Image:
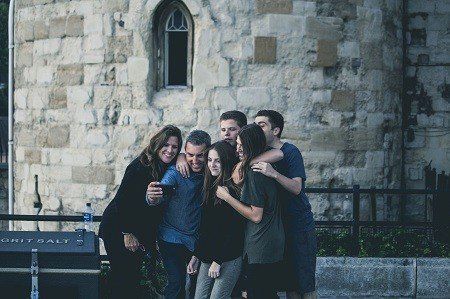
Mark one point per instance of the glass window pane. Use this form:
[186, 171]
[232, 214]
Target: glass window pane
[177, 43]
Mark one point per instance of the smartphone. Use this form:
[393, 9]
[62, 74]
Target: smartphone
[167, 190]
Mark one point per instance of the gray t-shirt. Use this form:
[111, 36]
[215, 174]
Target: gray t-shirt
[264, 241]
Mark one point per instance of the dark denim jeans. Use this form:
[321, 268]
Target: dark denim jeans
[175, 259]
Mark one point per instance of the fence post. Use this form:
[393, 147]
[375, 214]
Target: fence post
[355, 230]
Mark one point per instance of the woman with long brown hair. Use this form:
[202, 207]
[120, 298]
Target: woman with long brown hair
[264, 233]
[221, 230]
[128, 226]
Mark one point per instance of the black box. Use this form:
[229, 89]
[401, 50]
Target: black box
[68, 264]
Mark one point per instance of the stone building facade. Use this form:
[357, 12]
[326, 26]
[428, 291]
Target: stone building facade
[88, 95]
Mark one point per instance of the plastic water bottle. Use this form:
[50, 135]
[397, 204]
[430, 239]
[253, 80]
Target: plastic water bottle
[88, 216]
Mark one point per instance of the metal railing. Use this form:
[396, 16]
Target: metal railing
[355, 224]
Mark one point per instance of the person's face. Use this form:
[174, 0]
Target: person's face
[195, 156]
[169, 150]
[214, 163]
[263, 122]
[239, 149]
[229, 130]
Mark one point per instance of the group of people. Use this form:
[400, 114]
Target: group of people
[227, 217]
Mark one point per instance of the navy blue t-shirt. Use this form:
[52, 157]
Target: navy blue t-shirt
[296, 208]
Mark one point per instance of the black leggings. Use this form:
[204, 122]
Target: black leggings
[262, 281]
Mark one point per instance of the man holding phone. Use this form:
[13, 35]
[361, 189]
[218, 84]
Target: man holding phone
[178, 231]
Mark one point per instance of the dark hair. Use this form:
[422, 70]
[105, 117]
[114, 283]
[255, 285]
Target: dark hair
[275, 118]
[199, 137]
[228, 160]
[149, 156]
[238, 116]
[253, 143]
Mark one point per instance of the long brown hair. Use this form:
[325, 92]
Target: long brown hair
[228, 160]
[253, 143]
[149, 156]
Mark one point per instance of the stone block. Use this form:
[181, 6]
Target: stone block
[253, 97]
[68, 75]
[93, 24]
[57, 137]
[137, 69]
[372, 55]
[329, 139]
[32, 156]
[75, 26]
[41, 30]
[58, 98]
[365, 277]
[326, 53]
[119, 48]
[24, 55]
[324, 28]
[343, 100]
[265, 50]
[433, 278]
[274, 6]
[365, 139]
[93, 175]
[57, 27]
[111, 6]
[24, 31]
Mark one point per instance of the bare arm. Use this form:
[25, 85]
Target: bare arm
[272, 156]
[293, 185]
[252, 213]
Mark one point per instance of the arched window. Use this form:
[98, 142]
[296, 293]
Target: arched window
[173, 32]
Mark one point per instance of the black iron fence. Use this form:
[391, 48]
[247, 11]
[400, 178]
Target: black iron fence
[436, 225]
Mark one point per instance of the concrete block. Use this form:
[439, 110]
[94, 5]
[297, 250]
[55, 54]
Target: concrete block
[377, 277]
[433, 278]
[265, 50]
[274, 6]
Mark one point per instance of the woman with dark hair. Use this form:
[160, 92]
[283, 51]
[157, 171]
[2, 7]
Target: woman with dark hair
[128, 226]
[264, 234]
[221, 230]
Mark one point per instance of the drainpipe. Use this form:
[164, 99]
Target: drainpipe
[403, 100]
[10, 112]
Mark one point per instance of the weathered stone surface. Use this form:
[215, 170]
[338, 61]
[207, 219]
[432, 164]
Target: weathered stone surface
[70, 74]
[41, 30]
[119, 49]
[433, 278]
[58, 98]
[32, 156]
[75, 26]
[274, 6]
[265, 49]
[57, 27]
[24, 32]
[326, 53]
[58, 136]
[137, 69]
[342, 100]
[112, 6]
[93, 175]
[365, 277]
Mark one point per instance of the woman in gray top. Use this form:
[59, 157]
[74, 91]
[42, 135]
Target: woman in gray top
[264, 234]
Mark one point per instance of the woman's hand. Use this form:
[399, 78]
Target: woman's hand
[182, 165]
[223, 193]
[192, 266]
[214, 270]
[266, 169]
[131, 242]
[153, 192]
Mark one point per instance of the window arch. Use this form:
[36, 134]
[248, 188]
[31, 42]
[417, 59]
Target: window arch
[173, 36]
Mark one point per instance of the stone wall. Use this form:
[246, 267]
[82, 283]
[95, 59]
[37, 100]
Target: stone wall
[427, 101]
[86, 105]
[3, 197]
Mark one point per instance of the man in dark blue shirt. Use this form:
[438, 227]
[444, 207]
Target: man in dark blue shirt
[301, 244]
[179, 228]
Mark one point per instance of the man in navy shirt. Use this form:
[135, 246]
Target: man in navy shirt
[179, 228]
[301, 244]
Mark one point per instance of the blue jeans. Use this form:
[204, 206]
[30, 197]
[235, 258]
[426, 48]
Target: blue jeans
[175, 259]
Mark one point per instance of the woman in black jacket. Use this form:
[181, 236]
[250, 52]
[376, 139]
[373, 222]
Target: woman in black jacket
[222, 228]
[128, 226]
